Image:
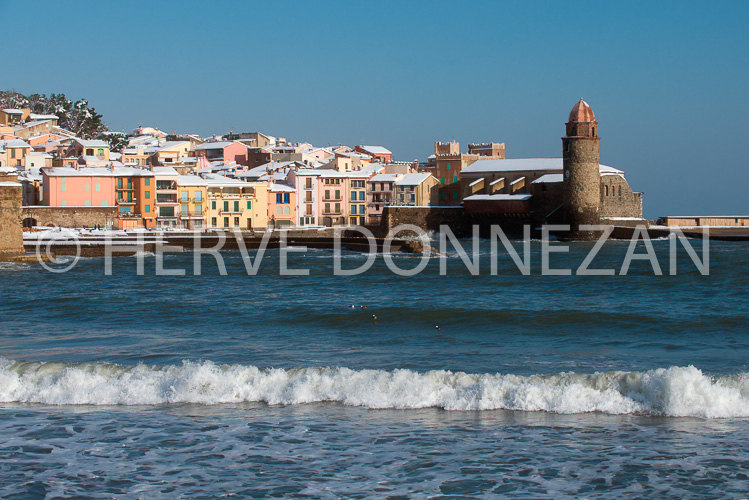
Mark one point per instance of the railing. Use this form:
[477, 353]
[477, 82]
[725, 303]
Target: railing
[192, 214]
[222, 212]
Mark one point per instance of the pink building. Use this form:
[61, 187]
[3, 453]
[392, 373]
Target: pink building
[223, 151]
[333, 195]
[70, 187]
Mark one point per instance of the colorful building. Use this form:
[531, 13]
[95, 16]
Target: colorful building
[381, 192]
[193, 199]
[71, 187]
[417, 190]
[378, 153]
[167, 204]
[226, 151]
[306, 182]
[233, 203]
[281, 205]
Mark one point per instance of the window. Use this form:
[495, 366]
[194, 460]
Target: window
[353, 195]
[198, 209]
[198, 224]
[63, 187]
[166, 211]
[448, 165]
[85, 188]
[287, 210]
[308, 184]
[249, 204]
[353, 209]
[607, 190]
[226, 207]
[184, 196]
[442, 180]
[97, 187]
[337, 194]
[185, 210]
[455, 195]
[442, 196]
[327, 194]
[236, 206]
[308, 196]
[198, 196]
[327, 208]
[99, 152]
[337, 207]
[147, 195]
[103, 203]
[12, 153]
[148, 209]
[213, 221]
[213, 205]
[455, 179]
[236, 221]
[362, 210]
[119, 183]
[130, 184]
[286, 198]
[361, 195]
[279, 211]
[148, 181]
[63, 203]
[226, 222]
[279, 198]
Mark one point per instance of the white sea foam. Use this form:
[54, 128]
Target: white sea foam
[675, 391]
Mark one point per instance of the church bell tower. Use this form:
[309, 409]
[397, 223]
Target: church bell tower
[582, 180]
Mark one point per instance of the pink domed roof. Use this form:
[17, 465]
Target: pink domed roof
[582, 112]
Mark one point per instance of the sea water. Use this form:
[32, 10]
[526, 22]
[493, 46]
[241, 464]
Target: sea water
[217, 385]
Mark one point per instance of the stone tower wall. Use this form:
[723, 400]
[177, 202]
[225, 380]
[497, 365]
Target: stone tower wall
[11, 232]
[582, 181]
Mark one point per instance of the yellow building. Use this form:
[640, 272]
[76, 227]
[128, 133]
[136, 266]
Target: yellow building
[193, 200]
[236, 204]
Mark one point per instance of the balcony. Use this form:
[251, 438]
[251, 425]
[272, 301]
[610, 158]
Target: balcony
[191, 215]
[166, 186]
[230, 212]
[167, 199]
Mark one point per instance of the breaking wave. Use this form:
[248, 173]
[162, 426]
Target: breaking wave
[675, 391]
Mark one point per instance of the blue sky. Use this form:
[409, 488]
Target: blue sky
[668, 81]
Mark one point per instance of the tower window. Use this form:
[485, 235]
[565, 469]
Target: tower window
[607, 190]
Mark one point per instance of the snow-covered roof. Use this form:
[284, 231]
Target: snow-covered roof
[13, 111]
[8, 170]
[165, 171]
[14, 143]
[384, 178]
[172, 144]
[549, 179]
[35, 116]
[280, 188]
[498, 197]
[32, 124]
[219, 180]
[213, 145]
[92, 144]
[190, 180]
[376, 150]
[412, 179]
[524, 164]
[10, 184]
